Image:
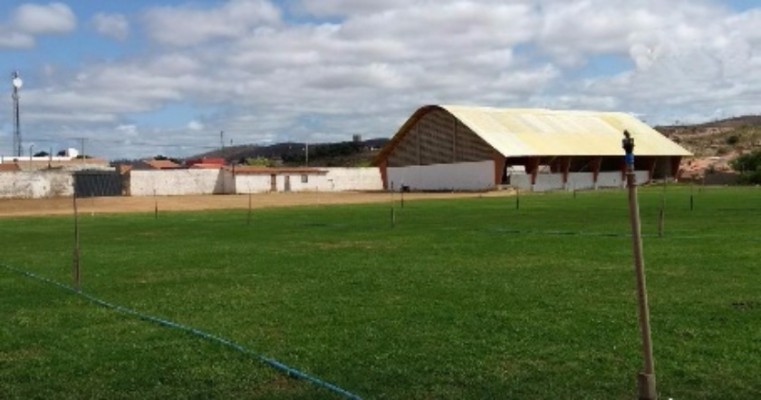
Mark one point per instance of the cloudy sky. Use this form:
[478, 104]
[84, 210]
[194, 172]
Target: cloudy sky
[140, 78]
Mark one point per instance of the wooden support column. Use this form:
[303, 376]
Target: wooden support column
[594, 165]
[675, 161]
[532, 168]
[499, 167]
[651, 167]
[384, 173]
[565, 167]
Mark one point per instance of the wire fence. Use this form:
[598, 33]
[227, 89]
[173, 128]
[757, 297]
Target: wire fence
[271, 362]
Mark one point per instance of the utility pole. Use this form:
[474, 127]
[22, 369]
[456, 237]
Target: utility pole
[82, 148]
[222, 139]
[646, 378]
[17, 83]
[306, 150]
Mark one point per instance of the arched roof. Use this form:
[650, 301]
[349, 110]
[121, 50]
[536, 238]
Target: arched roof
[518, 132]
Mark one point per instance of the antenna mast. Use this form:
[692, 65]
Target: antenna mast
[17, 83]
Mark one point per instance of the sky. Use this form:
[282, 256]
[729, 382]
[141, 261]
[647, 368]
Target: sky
[141, 78]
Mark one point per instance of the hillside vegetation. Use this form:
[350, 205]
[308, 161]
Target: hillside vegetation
[715, 144]
[294, 154]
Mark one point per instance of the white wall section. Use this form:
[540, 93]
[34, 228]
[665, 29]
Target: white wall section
[576, 181]
[36, 184]
[477, 175]
[175, 182]
[328, 180]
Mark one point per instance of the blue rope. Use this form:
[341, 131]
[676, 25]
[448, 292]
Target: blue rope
[271, 362]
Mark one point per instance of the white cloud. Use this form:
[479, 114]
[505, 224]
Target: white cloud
[572, 31]
[112, 25]
[195, 125]
[324, 8]
[258, 75]
[44, 19]
[28, 20]
[129, 130]
[183, 25]
[15, 40]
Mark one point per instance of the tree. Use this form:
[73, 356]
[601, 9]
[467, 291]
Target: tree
[749, 167]
[257, 161]
[41, 154]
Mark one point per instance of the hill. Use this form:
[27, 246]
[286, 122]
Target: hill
[340, 154]
[715, 143]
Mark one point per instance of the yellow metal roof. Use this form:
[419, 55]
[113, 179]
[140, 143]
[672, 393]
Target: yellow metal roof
[541, 132]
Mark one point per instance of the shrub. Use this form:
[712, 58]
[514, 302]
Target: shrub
[258, 161]
[749, 167]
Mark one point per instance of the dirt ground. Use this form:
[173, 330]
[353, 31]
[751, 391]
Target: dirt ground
[64, 205]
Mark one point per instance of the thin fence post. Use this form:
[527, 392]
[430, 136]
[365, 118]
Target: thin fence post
[661, 214]
[249, 207]
[517, 198]
[393, 211]
[75, 265]
[692, 196]
[393, 217]
[155, 205]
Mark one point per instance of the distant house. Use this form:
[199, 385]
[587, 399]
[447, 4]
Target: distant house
[262, 179]
[206, 166]
[206, 162]
[162, 164]
[143, 165]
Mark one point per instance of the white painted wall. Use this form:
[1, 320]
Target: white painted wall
[477, 175]
[331, 180]
[581, 181]
[576, 180]
[614, 179]
[641, 177]
[547, 182]
[36, 184]
[521, 181]
[610, 180]
[175, 182]
[348, 179]
[252, 183]
[313, 183]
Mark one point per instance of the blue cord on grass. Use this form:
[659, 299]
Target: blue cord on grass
[271, 362]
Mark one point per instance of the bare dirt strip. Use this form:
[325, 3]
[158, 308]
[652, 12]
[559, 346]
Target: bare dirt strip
[64, 205]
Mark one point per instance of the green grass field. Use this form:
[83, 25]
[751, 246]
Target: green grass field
[461, 299]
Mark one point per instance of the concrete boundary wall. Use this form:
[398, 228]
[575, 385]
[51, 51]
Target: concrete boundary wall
[327, 180]
[252, 183]
[477, 175]
[175, 182]
[348, 179]
[36, 184]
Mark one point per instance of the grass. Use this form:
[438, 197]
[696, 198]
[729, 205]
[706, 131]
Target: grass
[465, 298]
